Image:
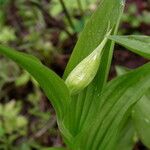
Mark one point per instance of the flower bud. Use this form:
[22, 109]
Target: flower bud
[85, 71]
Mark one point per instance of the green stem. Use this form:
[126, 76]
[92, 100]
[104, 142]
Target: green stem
[67, 14]
[80, 7]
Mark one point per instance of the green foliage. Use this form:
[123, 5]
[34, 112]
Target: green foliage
[83, 105]
[8, 73]
[111, 111]
[134, 18]
[96, 116]
[24, 78]
[11, 123]
[136, 43]
[77, 83]
[17, 122]
[14, 126]
[6, 35]
[140, 114]
[126, 140]
[141, 118]
[42, 74]
[129, 16]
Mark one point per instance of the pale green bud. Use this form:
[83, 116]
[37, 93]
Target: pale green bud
[85, 71]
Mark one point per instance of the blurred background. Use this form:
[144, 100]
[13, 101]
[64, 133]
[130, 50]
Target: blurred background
[49, 30]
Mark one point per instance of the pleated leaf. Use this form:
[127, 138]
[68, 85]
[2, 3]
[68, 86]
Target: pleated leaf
[114, 106]
[141, 118]
[126, 139]
[140, 113]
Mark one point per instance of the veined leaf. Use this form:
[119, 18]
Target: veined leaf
[53, 85]
[114, 104]
[126, 139]
[136, 43]
[127, 133]
[108, 13]
[140, 114]
[141, 118]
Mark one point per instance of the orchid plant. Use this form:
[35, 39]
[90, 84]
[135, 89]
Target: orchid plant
[92, 112]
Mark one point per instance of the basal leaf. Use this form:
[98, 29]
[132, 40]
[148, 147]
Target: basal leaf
[126, 138]
[141, 118]
[127, 133]
[114, 104]
[140, 113]
[136, 43]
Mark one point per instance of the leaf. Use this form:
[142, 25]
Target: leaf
[94, 31]
[114, 105]
[141, 118]
[126, 138]
[141, 114]
[120, 70]
[53, 86]
[107, 14]
[136, 43]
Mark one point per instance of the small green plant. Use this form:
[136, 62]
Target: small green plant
[95, 114]
[11, 123]
[130, 18]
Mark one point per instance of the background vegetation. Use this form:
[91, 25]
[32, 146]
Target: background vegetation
[49, 29]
